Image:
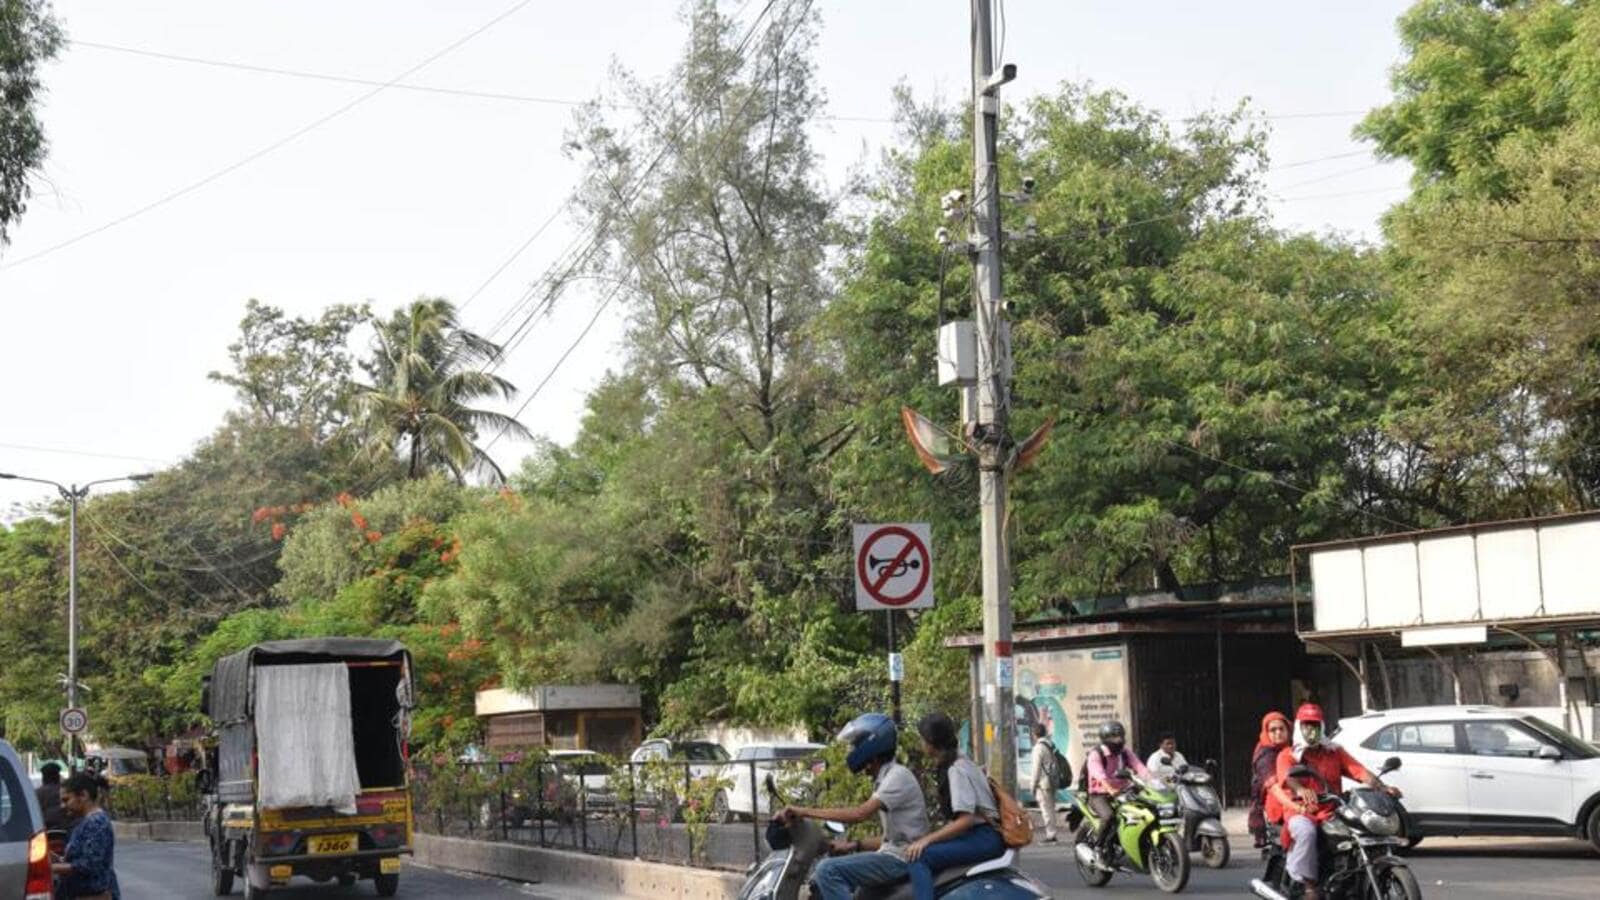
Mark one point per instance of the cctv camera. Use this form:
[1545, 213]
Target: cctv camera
[1028, 184]
[942, 236]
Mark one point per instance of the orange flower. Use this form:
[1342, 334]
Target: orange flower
[374, 536]
[279, 530]
[359, 520]
[260, 515]
[344, 499]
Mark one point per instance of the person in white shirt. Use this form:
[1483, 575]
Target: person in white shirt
[1166, 761]
[1045, 779]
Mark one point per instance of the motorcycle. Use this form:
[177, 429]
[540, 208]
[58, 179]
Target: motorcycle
[1201, 811]
[798, 845]
[1149, 837]
[1357, 849]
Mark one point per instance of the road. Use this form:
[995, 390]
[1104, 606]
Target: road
[1454, 869]
[152, 871]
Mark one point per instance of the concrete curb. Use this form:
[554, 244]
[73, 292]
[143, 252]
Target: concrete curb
[181, 832]
[596, 874]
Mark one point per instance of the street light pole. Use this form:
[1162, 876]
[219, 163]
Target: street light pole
[73, 495]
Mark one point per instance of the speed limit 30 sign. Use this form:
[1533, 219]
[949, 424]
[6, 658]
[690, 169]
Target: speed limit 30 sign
[894, 566]
[74, 720]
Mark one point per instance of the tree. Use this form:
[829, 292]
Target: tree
[425, 370]
[294, 372]
[1497, 105]
[33, 632]
[29, 37]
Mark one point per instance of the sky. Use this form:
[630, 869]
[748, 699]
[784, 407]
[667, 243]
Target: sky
[176, 191]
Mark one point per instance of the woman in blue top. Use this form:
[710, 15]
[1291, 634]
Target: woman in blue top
[968, 835]
[86, 868]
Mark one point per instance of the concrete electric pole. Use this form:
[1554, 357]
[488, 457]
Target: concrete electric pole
[991, 436]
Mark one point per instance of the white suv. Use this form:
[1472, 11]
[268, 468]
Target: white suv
[1482, 770]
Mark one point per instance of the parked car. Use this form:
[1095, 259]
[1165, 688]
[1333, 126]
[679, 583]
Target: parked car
[587, 767]
[700, 759]
[745, 797]
[24, 848]
[1482, 770]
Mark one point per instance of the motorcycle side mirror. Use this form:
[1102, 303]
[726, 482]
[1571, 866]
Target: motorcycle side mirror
[1183, 769]
[834, 827]
[1392, 764]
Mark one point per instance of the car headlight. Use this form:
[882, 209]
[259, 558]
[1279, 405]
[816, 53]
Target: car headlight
[1378, 823]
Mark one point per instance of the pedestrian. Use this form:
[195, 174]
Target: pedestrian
[1275, 733]
[1166, 761]
[1046, 780]
[968, 806]
[87, 870]
[49, 794]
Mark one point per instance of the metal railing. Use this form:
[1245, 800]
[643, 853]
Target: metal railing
[706, 814]
[155, 798]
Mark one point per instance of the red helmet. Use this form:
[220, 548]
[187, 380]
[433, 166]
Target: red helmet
[1309, 712]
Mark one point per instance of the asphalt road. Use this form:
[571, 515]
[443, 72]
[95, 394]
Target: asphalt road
[1468, 869]
[152, 871]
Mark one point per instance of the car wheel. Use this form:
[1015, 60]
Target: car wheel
[1594, 828]
[719, 809]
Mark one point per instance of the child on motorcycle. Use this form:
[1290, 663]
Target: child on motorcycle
[1303, 809]
[968, 805]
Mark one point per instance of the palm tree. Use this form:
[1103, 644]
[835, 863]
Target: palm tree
[426, 370]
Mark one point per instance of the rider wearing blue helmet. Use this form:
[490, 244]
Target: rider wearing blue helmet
[896, 798]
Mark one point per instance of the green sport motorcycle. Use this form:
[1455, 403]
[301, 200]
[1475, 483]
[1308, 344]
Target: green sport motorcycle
[1150, 838]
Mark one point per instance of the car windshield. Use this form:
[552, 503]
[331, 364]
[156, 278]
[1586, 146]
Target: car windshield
[1567, 742]
[703, 752]
[793, 752]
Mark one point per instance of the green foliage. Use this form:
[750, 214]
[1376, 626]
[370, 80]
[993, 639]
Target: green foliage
[1498, 108]
[33, 633]
[29, 38]
[426, 370]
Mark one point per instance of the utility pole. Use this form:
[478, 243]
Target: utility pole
[73, 494]
[990, 434]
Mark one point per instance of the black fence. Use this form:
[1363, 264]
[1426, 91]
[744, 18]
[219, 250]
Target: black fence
[707, 814]
[154, 798]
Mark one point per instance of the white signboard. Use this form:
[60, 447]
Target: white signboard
[894, 566]
[1496, 573]
[74, 720]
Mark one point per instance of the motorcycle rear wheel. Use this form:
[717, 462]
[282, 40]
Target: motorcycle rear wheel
[1398, 883]
[1169, 863]
[1092, 876]
[1215, 852]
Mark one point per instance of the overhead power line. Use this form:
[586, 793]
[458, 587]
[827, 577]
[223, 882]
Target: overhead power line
[268, 149]
[473, 93]
[33, 448]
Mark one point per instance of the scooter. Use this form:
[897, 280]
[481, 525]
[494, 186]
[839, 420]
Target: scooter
[1149, 837]
[1201, 811]
[1358, 849]
[798, 845]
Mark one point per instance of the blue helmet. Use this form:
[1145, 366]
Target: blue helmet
[870, 736]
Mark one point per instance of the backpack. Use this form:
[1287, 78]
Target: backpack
[1083, 770]
[1016, 830]
[1059, 767]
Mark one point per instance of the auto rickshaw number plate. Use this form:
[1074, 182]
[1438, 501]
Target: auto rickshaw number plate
[327, 844]
[389, 865]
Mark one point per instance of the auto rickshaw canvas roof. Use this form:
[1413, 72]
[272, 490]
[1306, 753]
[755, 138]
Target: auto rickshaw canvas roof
[230, 678]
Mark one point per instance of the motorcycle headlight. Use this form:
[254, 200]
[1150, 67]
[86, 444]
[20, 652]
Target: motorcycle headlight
[1167, 810]
[765, 882]
[1378, 823]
